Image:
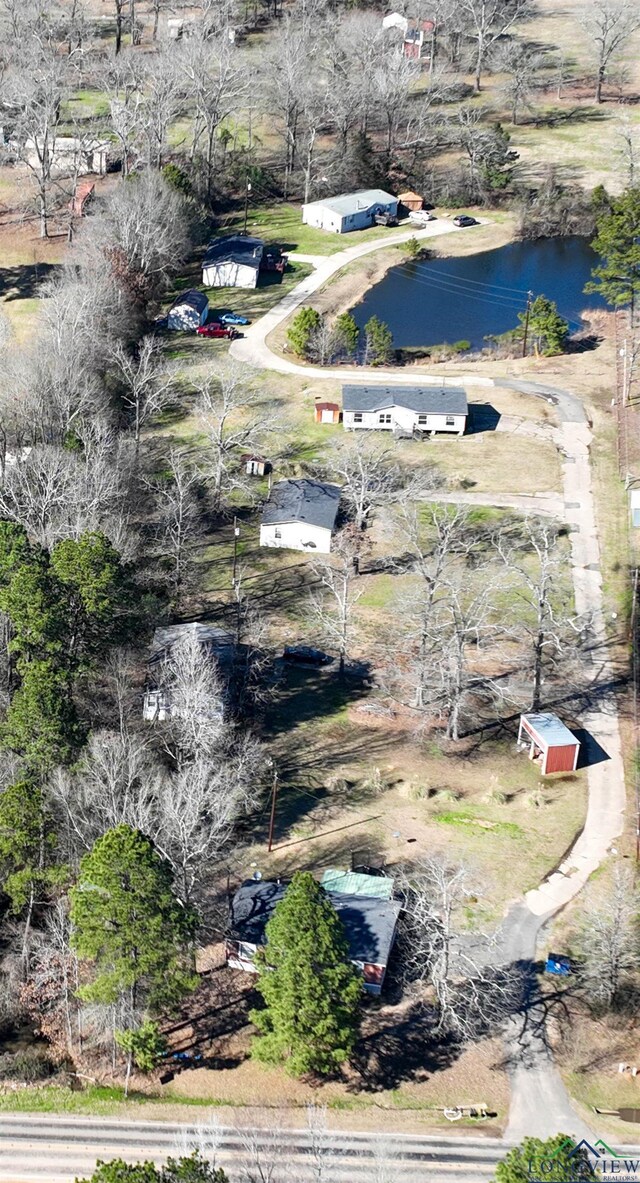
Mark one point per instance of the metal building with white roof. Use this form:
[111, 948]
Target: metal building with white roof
[550, 742]
[349, 211]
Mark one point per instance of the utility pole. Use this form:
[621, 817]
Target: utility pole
[526, 323]
[236, 535]
[274, 799]
[247, 191]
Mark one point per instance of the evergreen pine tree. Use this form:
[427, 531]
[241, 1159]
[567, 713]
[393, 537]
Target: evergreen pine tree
[310, 988]
[379, 342]
[617, 276]
[548, 329]
[305, 323]
[128, 921]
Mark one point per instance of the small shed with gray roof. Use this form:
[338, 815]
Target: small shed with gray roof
[405, 410]
[349, 211]
[300, 515]
[550, 742]
[369, 923]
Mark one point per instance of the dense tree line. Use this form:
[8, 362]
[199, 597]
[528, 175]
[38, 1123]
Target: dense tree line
[348, 107]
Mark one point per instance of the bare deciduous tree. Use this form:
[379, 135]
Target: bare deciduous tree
[546, 620]
[521, 64]
[147, 384]
[609, 941]
[489, 20]
[180, 517]
[333, 599]
[609, 25]
[228, 410]
[471, 995]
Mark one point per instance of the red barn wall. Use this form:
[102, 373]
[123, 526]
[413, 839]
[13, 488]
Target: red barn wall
[561, 759]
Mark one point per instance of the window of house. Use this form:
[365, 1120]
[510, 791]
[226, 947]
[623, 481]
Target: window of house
[450, 421]
[384, 418]
[357, 418]
[276, 533]
[422, 420]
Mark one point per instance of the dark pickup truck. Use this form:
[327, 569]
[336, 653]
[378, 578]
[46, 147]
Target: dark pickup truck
[385, 220]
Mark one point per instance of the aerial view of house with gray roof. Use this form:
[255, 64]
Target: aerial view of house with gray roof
[405, 410]
[232, 262]
[368, 913]
[300, 515]
[349, 211]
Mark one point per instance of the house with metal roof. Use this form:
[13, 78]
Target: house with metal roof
[188, 311]
[300, 515]
[550, 742]
[349, 211]
[233, 262]
[370, 923]
[405, 410]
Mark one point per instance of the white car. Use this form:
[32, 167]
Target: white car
[421, 217]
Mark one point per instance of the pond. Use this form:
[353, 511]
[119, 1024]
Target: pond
[431, 301]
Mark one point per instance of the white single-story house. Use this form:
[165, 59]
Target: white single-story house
[364, 904]
[232, 262]
[160, 703]
[68, 154]
[405, 410]
[349, 211]
[300, 515]
[188, 311]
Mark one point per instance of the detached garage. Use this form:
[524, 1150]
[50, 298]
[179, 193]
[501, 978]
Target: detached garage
[550, 743]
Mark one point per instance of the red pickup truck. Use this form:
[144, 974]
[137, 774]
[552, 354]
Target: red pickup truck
[217, 330]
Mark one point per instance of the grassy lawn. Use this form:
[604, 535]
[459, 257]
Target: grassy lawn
[251, 302]
[490, 462]
[283, 225]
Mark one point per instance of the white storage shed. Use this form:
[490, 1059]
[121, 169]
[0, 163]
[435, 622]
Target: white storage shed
[188, 311]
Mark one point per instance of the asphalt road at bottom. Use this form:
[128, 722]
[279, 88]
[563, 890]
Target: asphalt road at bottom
[59, 1148]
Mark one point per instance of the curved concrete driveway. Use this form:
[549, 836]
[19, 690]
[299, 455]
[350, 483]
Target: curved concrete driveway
[252, 348]
[539, 1102]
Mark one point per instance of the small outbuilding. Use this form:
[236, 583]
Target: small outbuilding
[349, 211]
[551, 744]
[188, 311]
[370, 919]
[233, 262]
[300, 515]
[410, 201]
[634, 507]
[327, 413]
[255, 465]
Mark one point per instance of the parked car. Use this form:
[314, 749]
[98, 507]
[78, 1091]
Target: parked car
[421, 217]
[234, 318]
[385, 220]
[217, 330]
[465, 220]
[305, 655]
